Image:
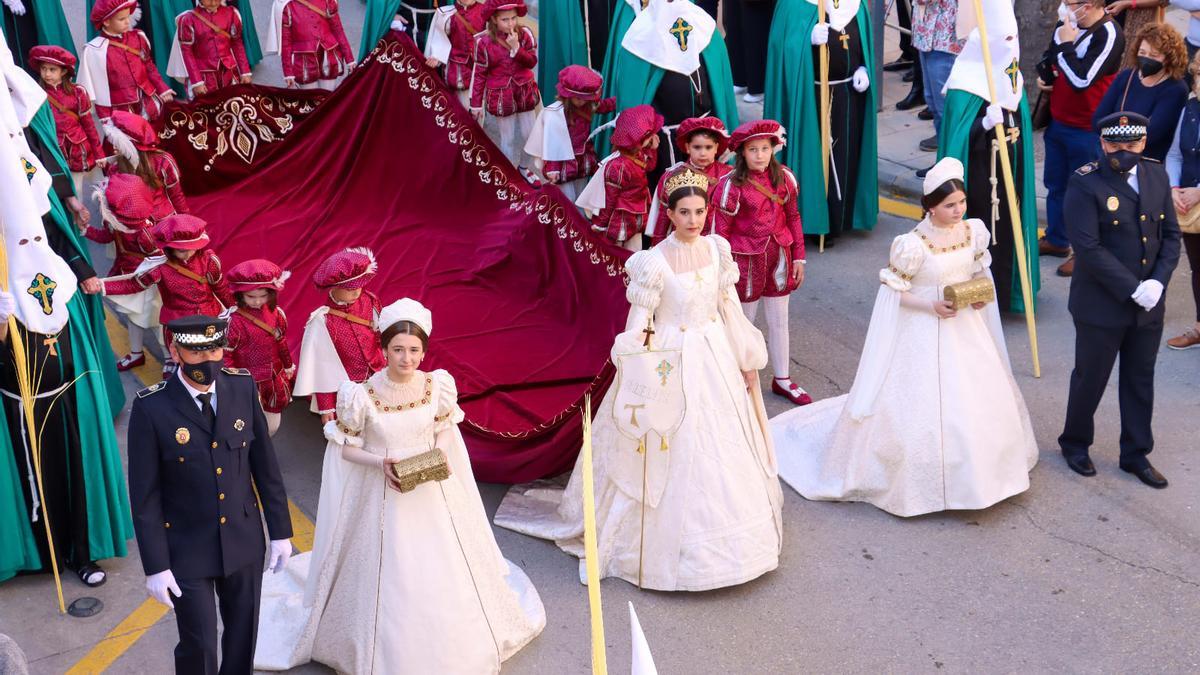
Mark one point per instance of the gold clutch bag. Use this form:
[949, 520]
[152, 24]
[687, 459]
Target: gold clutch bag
[966, 293]
[422, 468]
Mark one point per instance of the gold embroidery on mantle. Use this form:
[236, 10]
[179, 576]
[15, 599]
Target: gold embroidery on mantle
[238, 125]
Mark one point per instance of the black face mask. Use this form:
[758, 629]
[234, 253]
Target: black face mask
[1123, 160]
[1149, 67]
[203, 373]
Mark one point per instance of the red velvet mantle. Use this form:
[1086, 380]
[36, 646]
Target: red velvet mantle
[525, 300]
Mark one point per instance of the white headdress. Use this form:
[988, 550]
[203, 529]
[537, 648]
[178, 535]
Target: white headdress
[406, 309]
[946, 169]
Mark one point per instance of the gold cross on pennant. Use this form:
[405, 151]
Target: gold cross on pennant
[680, 30]
[42, 288]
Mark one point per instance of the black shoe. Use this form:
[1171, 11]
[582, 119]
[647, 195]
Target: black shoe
[926, 114]
[1080, 464]
[929, 144]
[1148, 475]
[916, 97]
[910, 75]
[898, 65]
[922, 172]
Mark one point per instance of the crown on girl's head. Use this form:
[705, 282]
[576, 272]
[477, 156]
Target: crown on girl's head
[687, 178]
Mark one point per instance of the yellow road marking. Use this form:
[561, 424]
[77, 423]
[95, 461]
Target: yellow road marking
[133, 627]
[899, 208]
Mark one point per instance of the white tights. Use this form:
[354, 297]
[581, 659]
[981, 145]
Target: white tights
[137, 338]
[778, 343]
[272, 422]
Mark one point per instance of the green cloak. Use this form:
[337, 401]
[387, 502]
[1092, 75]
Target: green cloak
[634, 81]
[562, 42]
[99, 398]
[376, 23]
[52, 28]
[957, 119]
[249, 33]
[162, 35]
[791, 100]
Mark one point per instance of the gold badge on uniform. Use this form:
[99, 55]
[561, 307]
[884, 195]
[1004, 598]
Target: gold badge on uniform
[239, 425]
[1113, 203]
[182, 435]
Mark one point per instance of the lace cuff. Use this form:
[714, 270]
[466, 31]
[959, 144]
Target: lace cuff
[352, 405]
[981, 240]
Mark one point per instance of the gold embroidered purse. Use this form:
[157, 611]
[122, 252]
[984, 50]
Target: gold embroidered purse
[422, 468]
[966, 293]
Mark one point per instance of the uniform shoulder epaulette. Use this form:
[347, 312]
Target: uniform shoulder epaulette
[157, 386]
[235, 371]
[1151, 159]
[1087, 168]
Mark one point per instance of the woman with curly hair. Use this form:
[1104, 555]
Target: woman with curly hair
[1155, 88]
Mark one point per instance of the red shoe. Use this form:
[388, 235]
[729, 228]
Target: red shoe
[793, 393]
[129, 361]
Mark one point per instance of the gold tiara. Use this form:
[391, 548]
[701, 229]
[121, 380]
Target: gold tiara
[687, 178]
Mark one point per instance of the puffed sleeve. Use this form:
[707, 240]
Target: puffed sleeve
[645, 280]
[352, 405]
[448, 413]
[981, 239]
[745, 340]
[903, 262]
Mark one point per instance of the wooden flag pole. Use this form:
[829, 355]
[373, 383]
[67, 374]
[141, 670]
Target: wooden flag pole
[591, 556]
[826, 123]
[1010, 189]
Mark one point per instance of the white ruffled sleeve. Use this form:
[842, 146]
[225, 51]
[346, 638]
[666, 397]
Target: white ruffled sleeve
[905, 259]
[981, 239]
[448, 413]
[747, 342]
[645, 282]
[352, 405]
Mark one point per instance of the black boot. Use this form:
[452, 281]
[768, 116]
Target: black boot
[916, 95]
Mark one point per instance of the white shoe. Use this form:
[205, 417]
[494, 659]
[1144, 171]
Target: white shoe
[753, 98]
[738, 91]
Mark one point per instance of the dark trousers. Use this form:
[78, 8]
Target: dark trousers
[1191, 243]
[1096, 348]
[904, 18]
[747, 27]
[236, 598]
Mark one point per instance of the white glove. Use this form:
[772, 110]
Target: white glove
[820, 34]
[8, 305]
[17, 7]
[860, 81]
[1148, 293]
[398, 24]
[992, 116]
[281, 550]
[157, 586]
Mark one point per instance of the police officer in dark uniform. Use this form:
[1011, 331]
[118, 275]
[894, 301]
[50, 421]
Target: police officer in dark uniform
[198, 448]
[1125, 235]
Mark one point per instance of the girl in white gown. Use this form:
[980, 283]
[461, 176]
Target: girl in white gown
[408, 582]
[706, 512]
[934, 420]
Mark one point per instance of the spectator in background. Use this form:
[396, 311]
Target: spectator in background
[1154, 88]
[936, 40]
[1134, 15]
[1183, 168]
[1193, 34]
[1077, 68]
[747, 25]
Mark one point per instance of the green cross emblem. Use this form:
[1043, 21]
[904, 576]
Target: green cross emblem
[664, 369]
[680, 30]
[42, 288]
[1012, 71]
[30, 169]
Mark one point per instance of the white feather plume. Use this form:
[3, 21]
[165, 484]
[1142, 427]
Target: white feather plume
[122, 143]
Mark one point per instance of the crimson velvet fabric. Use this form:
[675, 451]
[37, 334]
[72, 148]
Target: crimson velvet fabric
[525, 300]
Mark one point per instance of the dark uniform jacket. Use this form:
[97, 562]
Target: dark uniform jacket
[192, 487]
[1120, 238]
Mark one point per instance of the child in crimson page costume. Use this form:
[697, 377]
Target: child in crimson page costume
[452, 44]
[341, 339]
[126, 210]
[256, 337]
[137, 152]
[756, 211]
[117, 67]
[503, 83]
[189, 278]
[208, 50]
[72, 108]
[311, 43]
[562, 152]
[704, 140]
[619, 194]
